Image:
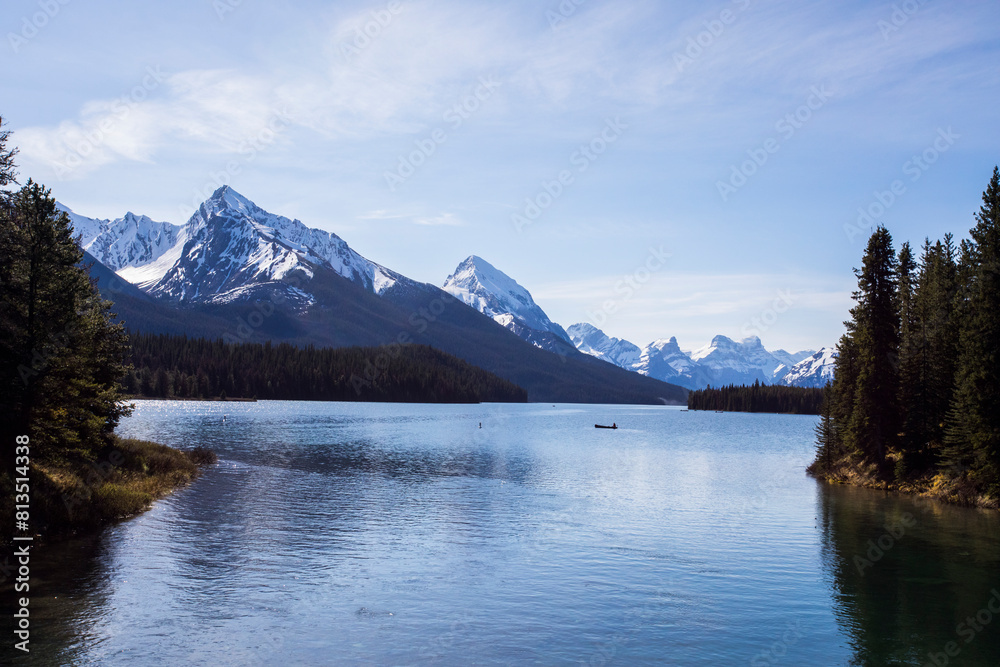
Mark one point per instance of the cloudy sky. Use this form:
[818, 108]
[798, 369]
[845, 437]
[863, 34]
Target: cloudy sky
[659, 168]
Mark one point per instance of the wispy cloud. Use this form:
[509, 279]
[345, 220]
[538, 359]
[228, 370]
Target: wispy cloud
[443, 220]
[213, 110]
[347, 117]
[431, 53]
[382, 214]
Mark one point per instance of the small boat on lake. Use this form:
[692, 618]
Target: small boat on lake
[614, 426]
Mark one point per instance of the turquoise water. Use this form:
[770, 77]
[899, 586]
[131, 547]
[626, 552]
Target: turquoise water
[365, 534]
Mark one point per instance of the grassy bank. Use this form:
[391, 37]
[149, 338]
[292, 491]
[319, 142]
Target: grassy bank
[957, 490]
[69, 497]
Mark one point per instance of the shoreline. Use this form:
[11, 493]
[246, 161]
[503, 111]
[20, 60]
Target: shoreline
[756, 412]
[936, 486]
[201, 400]
[321, 400]
[75, 497]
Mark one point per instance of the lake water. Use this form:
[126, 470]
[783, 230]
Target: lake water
[373, 534]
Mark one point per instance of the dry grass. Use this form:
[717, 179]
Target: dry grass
[124, 480]
[954, 490]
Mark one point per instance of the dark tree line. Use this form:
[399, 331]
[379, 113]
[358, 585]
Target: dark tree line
[181, 367]
[917, 380]
[61, 352]
[758, 398]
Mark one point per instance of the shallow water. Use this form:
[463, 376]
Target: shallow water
[399, 534]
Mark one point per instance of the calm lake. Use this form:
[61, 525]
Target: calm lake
[375, 534]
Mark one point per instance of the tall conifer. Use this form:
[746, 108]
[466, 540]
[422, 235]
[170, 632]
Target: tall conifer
[875, 420]
[974, 436]
[62, 355]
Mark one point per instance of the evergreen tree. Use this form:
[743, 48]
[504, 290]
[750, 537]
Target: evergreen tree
[758, 398]
[974, 434]
[905, 272]
[912, 358]
[934, 312]
[911, 355]
[826, 440]
[185, 367]
[8, 171]
[942, 318]
[61, 353]
[841, 398]
[875, 420]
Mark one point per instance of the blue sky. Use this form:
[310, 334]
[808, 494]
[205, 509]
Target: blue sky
[737, 137]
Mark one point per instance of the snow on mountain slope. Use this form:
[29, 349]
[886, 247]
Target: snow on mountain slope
[591, 340]
[789, 359]
[232, 243]
[127, 242]
[814, 371]
[86, 228]
[482, 286]
[232, 250]
[738, 363]
[145, 275]
[723, 361]
[133, 241]
[664, 358]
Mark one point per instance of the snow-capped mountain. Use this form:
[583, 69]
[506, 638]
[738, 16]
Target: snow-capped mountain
[722, 361]
[731, 362]
[229, 250]
[232, 254]
[591, 340]
[233, 246]
[86, 228]
[789, 359]
[814, 371]
[222, 273]
[492, 292]
[664, 358]
[125, 243]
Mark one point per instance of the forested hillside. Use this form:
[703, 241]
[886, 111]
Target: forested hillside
[181, 367]
[758, 398]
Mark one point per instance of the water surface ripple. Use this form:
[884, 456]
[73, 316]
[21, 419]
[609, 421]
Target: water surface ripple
[365, 534]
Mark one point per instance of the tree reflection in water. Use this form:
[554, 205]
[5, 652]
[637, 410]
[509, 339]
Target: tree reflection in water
[912, 579]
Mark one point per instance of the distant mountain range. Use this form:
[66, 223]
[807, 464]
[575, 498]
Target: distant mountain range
[237, 272]
[723, 361]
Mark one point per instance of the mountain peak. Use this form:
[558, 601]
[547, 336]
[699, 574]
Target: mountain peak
[721, 341]
[666, 345]
[474, 274]
[227, 198]
[591, 340]
[492, 292]
[476, 268]
[234, 247]
[813, 371]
